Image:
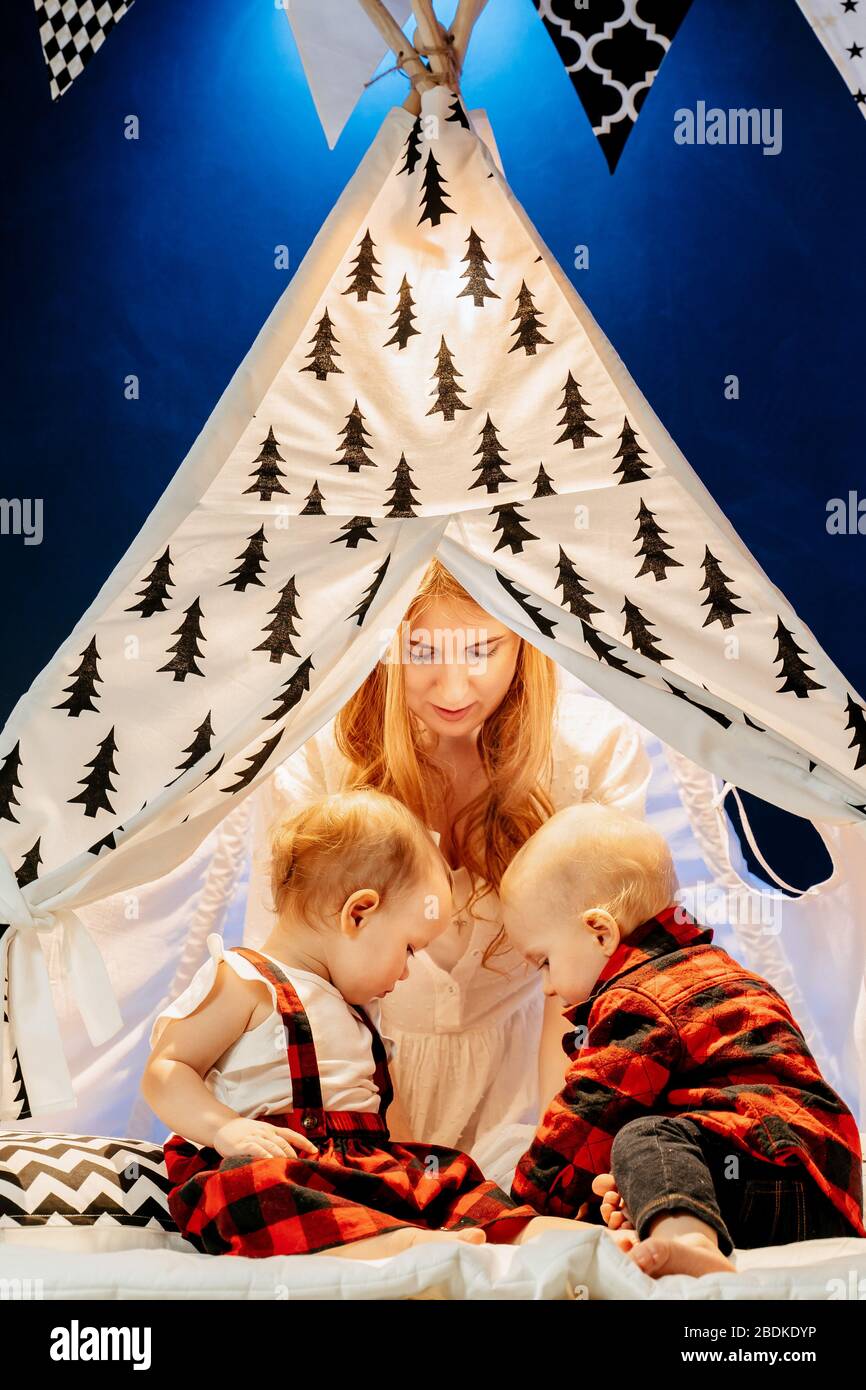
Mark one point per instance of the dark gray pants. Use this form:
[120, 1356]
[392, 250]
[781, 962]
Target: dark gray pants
[667, 1162]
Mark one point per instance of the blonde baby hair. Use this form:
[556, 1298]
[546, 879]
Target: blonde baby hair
[349, 840]
[598, 851]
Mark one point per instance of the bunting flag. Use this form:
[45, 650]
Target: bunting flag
[340, 50]
[612, 52]
[841, 27]
[71, 31]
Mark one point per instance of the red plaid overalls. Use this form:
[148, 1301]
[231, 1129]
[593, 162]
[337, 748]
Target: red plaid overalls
[361, 1184]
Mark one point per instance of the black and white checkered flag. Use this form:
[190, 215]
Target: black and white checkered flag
[71, 32]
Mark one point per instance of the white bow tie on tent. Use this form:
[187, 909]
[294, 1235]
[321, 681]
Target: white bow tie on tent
[22, 962]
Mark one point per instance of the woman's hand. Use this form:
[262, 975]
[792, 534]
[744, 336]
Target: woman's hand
[612, 1210]
[259, 1139]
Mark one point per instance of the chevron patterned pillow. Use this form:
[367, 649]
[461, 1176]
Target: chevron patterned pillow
[81, 1180]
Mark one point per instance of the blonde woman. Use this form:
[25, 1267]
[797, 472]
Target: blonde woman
[462, 723]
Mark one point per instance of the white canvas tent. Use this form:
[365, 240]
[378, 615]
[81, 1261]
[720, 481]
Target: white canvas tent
[429, 383]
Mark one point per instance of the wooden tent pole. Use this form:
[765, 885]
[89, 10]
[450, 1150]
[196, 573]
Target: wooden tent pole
[396, 39]
[431, 35]
[468, 11]
[430, 32]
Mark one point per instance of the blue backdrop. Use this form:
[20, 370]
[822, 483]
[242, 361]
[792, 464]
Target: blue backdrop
[155, 258]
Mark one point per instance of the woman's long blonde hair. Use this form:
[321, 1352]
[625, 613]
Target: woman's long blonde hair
[381, 738]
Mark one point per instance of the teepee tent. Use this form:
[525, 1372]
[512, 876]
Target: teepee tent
[429, 383]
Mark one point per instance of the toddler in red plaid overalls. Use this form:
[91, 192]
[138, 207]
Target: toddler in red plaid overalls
[358, 886]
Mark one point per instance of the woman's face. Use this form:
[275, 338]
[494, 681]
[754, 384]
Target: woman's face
[458, 665]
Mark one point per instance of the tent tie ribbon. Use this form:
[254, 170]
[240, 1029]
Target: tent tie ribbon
[31, 1007]
[718, 805]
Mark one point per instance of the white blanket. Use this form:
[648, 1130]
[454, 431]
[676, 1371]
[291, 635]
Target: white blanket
[583, 1265]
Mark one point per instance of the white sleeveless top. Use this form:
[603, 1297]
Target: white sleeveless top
[252, 1076]
[466, 1036]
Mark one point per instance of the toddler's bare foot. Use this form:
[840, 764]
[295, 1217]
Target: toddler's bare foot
[690, 1253]
[539, 1224]
[419, 1235]
[401, 1238]
[470, 1235]
[626, 1238]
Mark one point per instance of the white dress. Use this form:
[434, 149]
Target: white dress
[252, 1076]
[466, 1037]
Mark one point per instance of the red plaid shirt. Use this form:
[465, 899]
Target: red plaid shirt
[676, 1026]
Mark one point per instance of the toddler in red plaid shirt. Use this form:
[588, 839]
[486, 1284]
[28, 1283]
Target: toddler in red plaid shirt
[688, 1078]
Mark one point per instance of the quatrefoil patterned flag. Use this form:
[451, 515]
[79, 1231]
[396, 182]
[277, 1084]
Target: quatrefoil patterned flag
[612, 51]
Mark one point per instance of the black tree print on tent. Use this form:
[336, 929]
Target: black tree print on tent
[28, 869]
[254, 765]
[457, 113]
[476, 274]
[355, 443]
[267, 479]
[575, 597]
[358, 529]
[9, 782]
[186, 648]
[198, 749]
[404, 320]
[370, 593]
[324, 350]
[447, 399]
[719, 599]
[794, 668]
[252, 563]
[632, 467]
[154, 596]
[363, 280]
[315, 505]
[434, 206]
[413, 148]
[857, 724]
[715, 714]
[282, 626]
[543, 485]
[528, 331]
[545, 625]
[294, 690]
[653, 547]
[489, 469]
[575, 418]
[637, 627]
[97, 784]
[510, 523]
[108, 841]
[403, 488]
[82, 692]
[575, 592]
